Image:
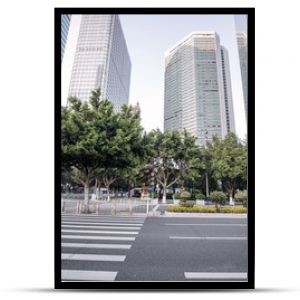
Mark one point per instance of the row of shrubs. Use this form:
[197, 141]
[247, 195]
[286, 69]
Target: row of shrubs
[201, 209]
[217, 197]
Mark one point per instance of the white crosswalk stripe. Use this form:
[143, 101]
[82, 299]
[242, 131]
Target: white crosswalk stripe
[102, 223]
[87, 230]
[99, 231]
[92, 257]
[81, 275]
[95, 221]
[92, 237]
[96, 246]
[100, 227]
[80, 217]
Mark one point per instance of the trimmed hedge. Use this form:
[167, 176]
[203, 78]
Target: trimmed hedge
[218, 197]
[233, 210]
[194, 209]
[197, 209]
[176, 196]
[200, 196]
[187, 203]
[185, 195]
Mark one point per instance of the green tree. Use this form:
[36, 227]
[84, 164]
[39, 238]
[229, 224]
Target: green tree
[79, 143]
[170, 154]
[98, 143]
[122, 148]
[229, 162]
[218, 198]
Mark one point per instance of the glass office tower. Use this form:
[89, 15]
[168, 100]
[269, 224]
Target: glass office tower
[195, 86]
[229, 114]
[101, 60]
[65, 24]
[243, 54]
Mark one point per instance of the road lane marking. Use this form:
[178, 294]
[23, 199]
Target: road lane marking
[100, 227]
[108, 238]
[229, 238]
[98, 231]
[92, 257]
[88, 275]
[217, 275]
[96, 246]
[171, 224]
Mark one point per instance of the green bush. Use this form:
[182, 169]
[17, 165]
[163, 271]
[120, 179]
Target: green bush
[186, 203]
[169, 196]
[185, 196]
[243, 197]
[194, 209]
[233, 210]
[176, 196]
[200, 196]
[218, 198]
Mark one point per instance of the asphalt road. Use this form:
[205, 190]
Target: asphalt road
[157, 248]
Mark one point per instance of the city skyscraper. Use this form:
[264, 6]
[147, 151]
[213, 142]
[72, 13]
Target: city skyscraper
[196, 80]
[101, 60]
[65, 24]
[229, 114]
[243, 54]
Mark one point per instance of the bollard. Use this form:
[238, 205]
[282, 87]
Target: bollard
[97, 208]
[77, 208]
[62, 206]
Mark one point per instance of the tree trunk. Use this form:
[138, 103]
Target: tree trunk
[129, 189]
[206, 184]
[108, 196]
[231, 201]
[96, 189]
[164, 199]
[86, 196]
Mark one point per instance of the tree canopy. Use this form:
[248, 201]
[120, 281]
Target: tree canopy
[103, 146]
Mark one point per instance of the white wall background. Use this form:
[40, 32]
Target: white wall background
[27, 149]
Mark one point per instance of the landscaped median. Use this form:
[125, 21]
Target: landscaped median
[200, 209]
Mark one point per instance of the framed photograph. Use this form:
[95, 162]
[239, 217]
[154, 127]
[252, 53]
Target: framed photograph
[154, 148]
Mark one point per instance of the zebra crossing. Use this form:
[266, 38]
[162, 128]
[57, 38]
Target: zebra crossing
[94, 247]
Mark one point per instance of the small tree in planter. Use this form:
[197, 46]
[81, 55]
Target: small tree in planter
[176, 198]
[218, 198]
[200, 196]
[243, 197]
[200, 199]
[184, 196]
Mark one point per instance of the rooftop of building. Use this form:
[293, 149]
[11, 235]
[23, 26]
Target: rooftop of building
[193, 33]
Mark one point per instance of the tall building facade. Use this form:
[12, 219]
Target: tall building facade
[195, 87]
[65, 24]
[243, 54]
[101, 60]
[229, 114]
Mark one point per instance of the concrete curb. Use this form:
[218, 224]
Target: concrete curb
[204, 215]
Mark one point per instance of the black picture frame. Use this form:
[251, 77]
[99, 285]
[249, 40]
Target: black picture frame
[157, 285]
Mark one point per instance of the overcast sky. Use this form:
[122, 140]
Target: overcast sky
[148, 37]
